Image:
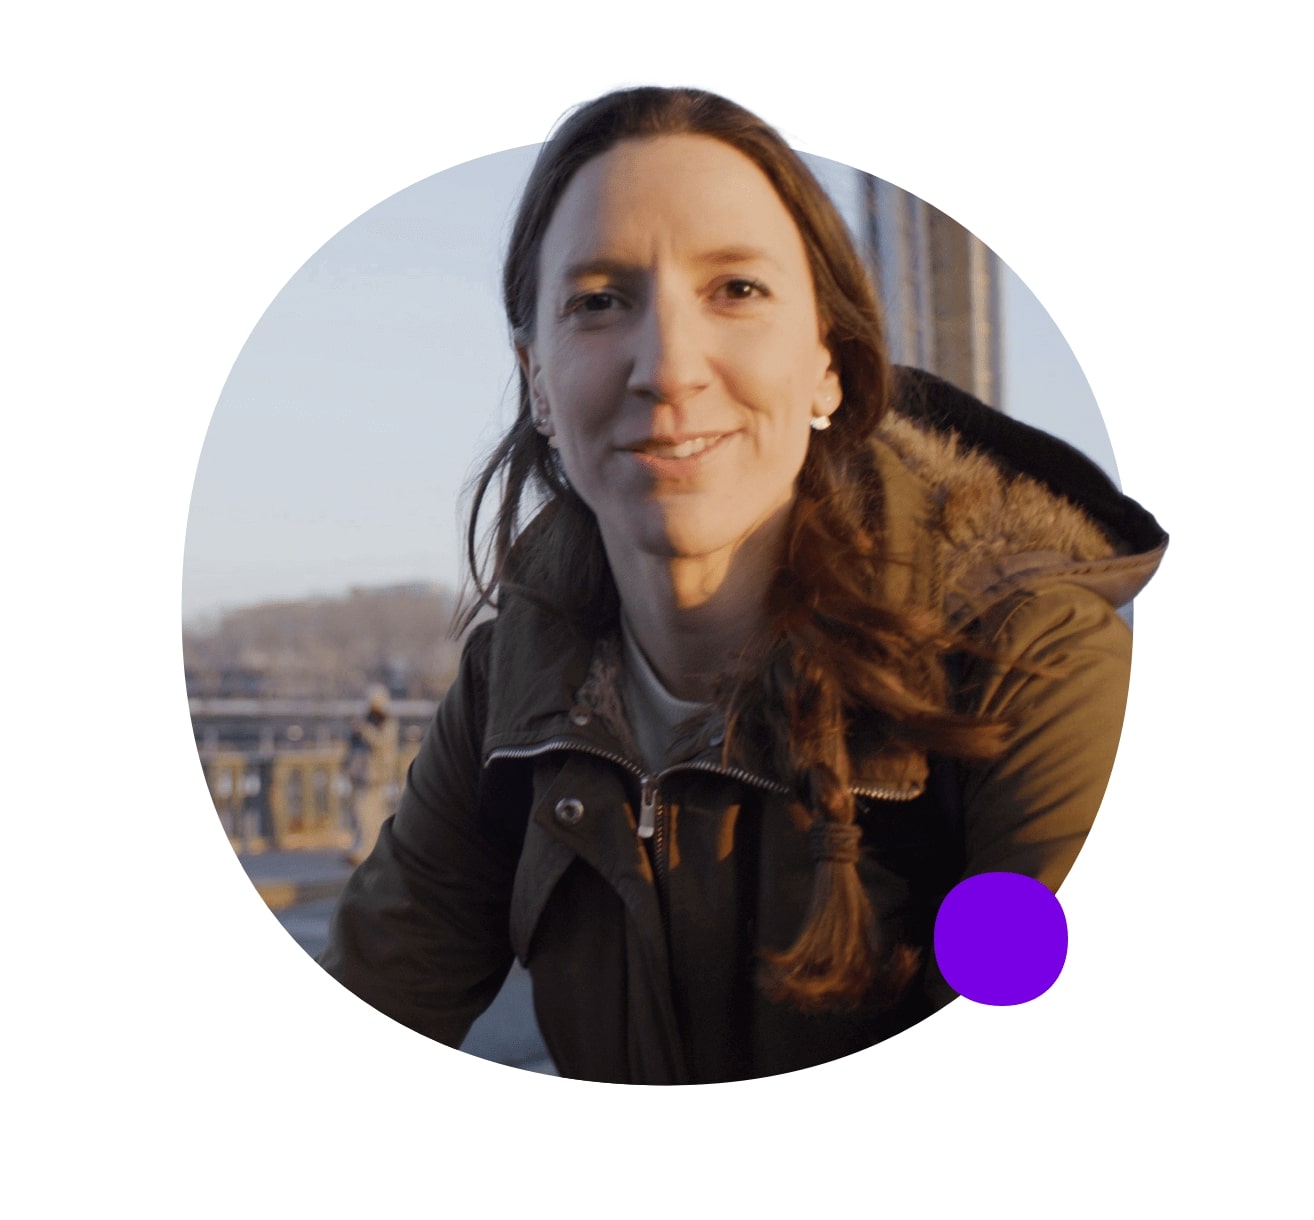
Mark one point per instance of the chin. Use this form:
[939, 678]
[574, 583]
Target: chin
[687, 545]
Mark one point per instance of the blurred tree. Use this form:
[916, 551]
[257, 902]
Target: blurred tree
[329, 648]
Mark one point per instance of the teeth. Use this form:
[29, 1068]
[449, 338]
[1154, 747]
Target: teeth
[683, 450]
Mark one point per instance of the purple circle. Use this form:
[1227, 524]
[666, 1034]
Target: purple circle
[1000, 938]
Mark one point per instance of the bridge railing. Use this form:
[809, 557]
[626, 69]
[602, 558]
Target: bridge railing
[288, 799]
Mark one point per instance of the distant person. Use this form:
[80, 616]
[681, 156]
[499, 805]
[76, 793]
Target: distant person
[372, 769]
[787, 641]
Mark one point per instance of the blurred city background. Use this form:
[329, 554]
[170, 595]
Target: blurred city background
[323, 549]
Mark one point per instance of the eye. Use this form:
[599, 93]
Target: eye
[591, 302]
[741, 289]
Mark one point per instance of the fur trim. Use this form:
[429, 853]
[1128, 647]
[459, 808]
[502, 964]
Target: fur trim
[989, 516]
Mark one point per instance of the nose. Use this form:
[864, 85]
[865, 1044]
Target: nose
[670, 358]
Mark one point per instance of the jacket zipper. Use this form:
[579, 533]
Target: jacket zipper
[891, 792]
[563, 743]
[652, 825]
[648, 807]
[880, 792]
[649, 802]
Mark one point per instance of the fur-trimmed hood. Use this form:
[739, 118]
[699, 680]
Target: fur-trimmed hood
[1007, 505]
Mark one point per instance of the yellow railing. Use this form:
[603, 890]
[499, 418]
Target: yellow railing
[289, 798]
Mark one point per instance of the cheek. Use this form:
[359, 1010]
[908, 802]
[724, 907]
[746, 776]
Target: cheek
[786, 366]
[573, 376]
[788, 398]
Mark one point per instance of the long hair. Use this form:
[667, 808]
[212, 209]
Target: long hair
[830, 649]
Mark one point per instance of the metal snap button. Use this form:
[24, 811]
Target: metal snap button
[569, 810]
[580, 715]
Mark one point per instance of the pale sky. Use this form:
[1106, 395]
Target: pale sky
[381, 374]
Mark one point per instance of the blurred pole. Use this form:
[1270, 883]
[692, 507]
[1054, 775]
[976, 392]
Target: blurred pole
[940, 287]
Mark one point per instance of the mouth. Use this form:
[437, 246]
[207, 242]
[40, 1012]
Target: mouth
[670, 449]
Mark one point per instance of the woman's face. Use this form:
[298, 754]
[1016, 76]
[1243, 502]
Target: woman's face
[677, 356]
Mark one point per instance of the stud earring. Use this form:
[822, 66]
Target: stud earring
[825, 405]
[542, 426]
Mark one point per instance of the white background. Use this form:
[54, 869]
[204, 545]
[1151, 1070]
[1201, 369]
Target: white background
[172, 1052]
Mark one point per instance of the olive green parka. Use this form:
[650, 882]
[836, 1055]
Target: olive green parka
[516, 833]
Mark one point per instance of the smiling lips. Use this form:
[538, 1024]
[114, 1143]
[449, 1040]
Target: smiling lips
[671, 450]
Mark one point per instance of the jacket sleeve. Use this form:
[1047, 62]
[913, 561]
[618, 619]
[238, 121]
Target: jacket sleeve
[1057, 673]
[420, 932]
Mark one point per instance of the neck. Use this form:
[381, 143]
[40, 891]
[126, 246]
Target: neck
[691, 616]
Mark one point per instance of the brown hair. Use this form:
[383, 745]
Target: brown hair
[831, 649]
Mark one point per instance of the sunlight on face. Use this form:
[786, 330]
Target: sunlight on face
[677, 355]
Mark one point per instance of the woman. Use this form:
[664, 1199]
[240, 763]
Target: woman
[787, 642]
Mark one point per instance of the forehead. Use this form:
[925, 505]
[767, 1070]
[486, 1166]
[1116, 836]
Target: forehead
[691, 192]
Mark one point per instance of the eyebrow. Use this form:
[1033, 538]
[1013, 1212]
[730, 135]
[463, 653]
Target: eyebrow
[737, 254]
[724, 256]
[596, 266]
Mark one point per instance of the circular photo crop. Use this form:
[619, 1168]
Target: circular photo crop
[656, 606]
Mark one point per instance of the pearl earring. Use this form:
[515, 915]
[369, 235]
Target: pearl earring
[826, 404]
[541, 425]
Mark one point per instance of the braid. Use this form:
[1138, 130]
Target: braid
[831, 961]
[831, 649]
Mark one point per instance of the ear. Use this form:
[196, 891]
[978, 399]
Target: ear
[828, 395]
[538, 403]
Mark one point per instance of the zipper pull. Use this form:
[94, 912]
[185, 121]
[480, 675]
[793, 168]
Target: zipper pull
[648, 807]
